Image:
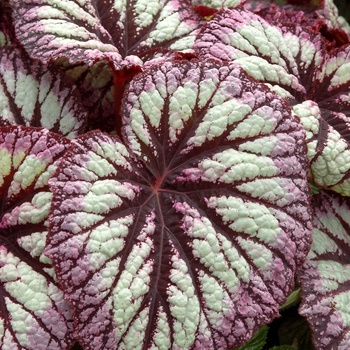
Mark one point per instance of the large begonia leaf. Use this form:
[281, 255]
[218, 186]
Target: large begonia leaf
[32, 94]
[33, 312]
[299, 65]
[189, 236]
[103, 29]
[325, 276]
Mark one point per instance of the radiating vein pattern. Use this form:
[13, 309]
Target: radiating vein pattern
[113, 30]
[33, 312]
[325, 276]
[189, 236]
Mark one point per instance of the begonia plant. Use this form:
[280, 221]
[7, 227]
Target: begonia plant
[174, 175]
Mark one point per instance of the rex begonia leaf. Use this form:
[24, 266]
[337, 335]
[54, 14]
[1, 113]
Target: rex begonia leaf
[32, 94]
[300, 65]
[96, 85]
[329, 12]
[328, 148]
[33, 312]
[92, 30]
[188, 234]
[325, 276]
[265, 51]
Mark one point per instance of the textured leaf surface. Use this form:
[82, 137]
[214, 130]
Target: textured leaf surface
[330, 13]
[103, 29]
[31, 94]
[33, 313]
[285, 59]
[299, 65]
[328, 148]
[218, 3]
[190, 237]
[325, 276]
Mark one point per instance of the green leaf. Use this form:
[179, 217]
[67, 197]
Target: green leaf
[258, 341]
[293, 299]
[283, 347]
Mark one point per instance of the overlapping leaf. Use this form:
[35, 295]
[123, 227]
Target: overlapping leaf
[6, 26]
[103, 29]
[328, 11]
[189, 237]
[325, 276]
[285, 59]
[299, 65]
[96, 85]
[32, 94]
[33, 312]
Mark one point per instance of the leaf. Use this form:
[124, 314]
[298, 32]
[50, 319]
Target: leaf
[300, 66]
[258, 341]
[329, 12]
[96, 84]
[6, 26]
[218, 3]
[32, 94]
[292, 300]
[325, 276]
[190, 235]
[91, 31]
[328, 141]
[33, 312]
[286, 59]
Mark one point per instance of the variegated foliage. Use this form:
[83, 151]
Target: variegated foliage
[33, 312]
[187, 234]
[302, 66]
[32, 94]
[325, 276]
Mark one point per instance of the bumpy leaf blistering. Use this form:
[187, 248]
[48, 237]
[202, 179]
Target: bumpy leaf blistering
[33, 312]
[325, 276]
[190, 236]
